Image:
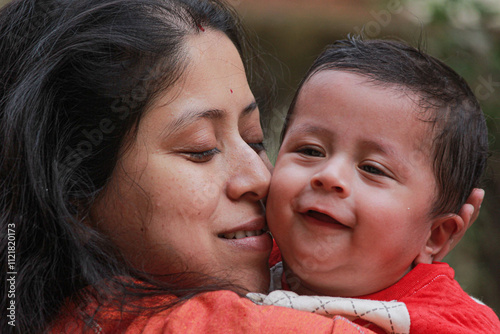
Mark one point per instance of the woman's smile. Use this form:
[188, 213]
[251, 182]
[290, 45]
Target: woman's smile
[252, 236]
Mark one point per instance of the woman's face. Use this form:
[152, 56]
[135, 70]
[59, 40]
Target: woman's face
[186, 194]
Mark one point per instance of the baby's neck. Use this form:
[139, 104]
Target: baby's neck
[290, 281]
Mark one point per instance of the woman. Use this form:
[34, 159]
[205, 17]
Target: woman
[133, 171]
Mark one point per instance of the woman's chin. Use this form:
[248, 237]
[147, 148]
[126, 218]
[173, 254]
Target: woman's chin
[255, 279]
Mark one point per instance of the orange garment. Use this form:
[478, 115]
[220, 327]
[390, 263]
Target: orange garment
[211, 312]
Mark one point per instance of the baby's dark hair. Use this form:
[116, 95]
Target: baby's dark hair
[459, 134]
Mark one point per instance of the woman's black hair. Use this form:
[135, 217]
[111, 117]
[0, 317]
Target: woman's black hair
[459, 149]
[75, 78]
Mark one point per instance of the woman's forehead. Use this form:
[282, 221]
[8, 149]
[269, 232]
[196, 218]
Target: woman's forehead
[213, 84]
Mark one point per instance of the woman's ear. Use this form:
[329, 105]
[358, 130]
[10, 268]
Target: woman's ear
[441, 237]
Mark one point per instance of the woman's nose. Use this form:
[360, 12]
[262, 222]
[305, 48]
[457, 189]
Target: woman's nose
[334, 177]
[249, 175]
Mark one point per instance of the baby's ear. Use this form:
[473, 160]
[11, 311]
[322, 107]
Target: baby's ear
[469, 213]
[440, 239]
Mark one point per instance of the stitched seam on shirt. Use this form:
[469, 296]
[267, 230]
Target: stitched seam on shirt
[390, 318]
[423, 287]
[286, 297]
[322, 305]
[361, 315]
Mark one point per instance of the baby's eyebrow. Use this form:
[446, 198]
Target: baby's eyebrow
[384, 148]
[388, 150]
[309, 129]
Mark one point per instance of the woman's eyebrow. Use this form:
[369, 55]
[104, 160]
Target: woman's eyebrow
[248, 109]
[191, 117]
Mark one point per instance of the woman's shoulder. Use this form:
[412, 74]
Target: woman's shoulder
[211, 312]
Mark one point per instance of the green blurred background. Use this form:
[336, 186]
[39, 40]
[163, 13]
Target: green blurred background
[463, 33]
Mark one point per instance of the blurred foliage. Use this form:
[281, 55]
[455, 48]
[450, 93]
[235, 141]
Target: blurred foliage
[466, 34]
[463, 33]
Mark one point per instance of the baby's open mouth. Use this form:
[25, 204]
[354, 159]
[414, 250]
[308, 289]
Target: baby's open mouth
[322, 217]
[242, 234]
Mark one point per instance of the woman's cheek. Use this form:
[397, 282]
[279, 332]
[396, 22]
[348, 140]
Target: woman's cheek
[187, 195]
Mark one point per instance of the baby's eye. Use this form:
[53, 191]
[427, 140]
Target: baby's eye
[372, 170]
[204, 156]
[309, 151]
[257, 147]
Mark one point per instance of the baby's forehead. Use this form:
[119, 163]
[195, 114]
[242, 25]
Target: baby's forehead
[363, 101]
[327, 82]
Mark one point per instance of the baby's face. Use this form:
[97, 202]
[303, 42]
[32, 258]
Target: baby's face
[352, 188]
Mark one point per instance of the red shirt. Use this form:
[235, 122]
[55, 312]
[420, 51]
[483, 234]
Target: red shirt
[435, 301]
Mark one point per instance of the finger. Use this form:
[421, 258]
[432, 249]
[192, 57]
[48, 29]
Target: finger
[475, 199]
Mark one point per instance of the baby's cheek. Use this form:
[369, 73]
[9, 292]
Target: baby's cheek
[280, 191]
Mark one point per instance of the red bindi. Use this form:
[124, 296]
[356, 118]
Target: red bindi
[231, 91]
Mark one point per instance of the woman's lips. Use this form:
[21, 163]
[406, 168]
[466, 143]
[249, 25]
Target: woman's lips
[262, 242]
[242, 234]
[252, 228]
[251, 236]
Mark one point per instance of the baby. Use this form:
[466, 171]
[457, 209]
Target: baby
[381, 147]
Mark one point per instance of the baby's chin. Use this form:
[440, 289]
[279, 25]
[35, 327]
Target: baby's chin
[319, 283]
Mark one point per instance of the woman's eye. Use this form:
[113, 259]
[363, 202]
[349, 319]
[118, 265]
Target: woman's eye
[257, 147]
[373, 170]
[204, 156]
[311, 152]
